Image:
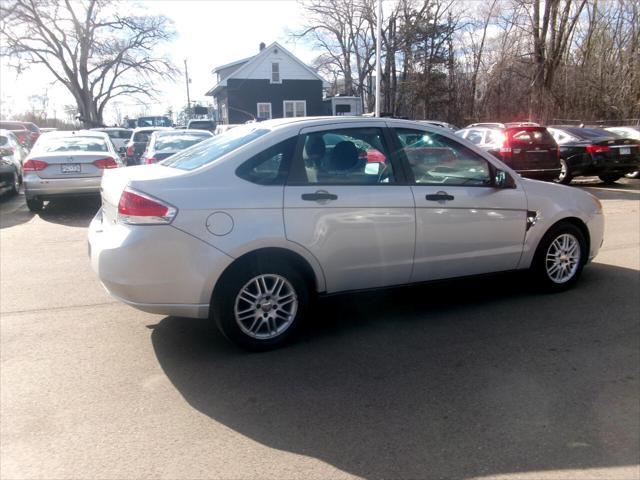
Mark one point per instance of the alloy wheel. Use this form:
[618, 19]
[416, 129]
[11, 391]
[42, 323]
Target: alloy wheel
[266, 306]
[563, 258]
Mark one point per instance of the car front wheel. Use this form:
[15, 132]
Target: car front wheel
[259, 306]
[560, 257]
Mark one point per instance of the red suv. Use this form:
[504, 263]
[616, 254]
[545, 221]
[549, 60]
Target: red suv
[528, 148]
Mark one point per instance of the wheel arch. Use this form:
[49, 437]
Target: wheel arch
[315, 279]
[577, 222]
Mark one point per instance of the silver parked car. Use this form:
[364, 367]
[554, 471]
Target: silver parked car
[12, 155]
[245, 228]
[67, 164]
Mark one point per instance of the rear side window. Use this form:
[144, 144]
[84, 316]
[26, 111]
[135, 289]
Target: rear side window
[3, 140]
[271, 166]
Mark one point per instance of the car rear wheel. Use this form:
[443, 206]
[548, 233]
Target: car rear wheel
[258, 306]
[35, 204]
[565, 176]
[609, 177]
[15, 186]
[560, 257]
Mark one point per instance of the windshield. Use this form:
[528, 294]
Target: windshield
[70, 144]
[178, 142]
[207, 152]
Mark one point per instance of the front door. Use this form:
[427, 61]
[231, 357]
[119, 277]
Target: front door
[344, 202]
[464, 225]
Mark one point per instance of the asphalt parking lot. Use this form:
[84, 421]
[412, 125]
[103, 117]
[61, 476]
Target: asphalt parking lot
[470, 379]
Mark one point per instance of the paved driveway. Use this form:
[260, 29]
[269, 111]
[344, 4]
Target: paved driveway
[472, 379]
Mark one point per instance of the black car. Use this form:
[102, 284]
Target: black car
[593, 151]
[138, 143]
[526, 147]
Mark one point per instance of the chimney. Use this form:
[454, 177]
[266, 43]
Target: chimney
[262, 46]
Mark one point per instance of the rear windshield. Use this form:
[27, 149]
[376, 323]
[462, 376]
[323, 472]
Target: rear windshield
[3, 140]
[118, 134]
[12, 126]
[204, 125]
[70, 144]
[590, 133]
[142, 137]
[530, 136]
[178, 142]
[209, 151]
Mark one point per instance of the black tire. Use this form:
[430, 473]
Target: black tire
[565, 175]
[15, 186]
[35, 204]
[539, 268]
[226, 298]
[609, 177]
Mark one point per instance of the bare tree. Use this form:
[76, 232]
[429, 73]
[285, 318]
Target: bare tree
[89, 46]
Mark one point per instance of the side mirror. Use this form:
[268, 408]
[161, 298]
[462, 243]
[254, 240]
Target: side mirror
[373, 168]
[502, 179]
[6, 151]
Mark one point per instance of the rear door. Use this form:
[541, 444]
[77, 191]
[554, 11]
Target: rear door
[464, 225]
[356, 217]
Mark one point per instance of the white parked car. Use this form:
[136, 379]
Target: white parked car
[245, 228]
[119, 136]
[67, 163]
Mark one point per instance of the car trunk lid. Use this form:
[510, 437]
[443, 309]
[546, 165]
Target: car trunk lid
[532, 148]
[72, 164]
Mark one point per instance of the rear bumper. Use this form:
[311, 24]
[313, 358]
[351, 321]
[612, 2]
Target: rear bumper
[34, 186]
[540, 173]
[157, 269]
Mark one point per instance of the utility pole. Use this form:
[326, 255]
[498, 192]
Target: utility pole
[186, 78]
[378, 66]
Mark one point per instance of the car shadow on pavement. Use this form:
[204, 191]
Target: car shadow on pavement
[72, 211]
[461, 379]
[13, 211]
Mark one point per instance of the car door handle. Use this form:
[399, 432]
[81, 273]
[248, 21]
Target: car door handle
[438, 197]
[320, 195]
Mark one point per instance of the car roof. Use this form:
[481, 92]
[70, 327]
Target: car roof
[110, 129]
[4, 131]
[149, 129]
[163, 133]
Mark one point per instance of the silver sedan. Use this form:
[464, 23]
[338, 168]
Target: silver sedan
[247, 227]
[67, 164]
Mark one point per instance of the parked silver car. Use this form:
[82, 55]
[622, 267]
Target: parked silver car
[67, 164]
[245, 228]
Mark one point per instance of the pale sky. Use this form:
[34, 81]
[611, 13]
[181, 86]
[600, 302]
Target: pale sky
[209, 33]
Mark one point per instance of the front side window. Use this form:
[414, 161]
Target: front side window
[436, 159]
[269, 167]
[295, 108]
[356, 156]
[264, 111]
[217, 146]
[275, 73]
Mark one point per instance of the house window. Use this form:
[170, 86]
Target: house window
[275, 73]
[264, 111]
[295, 108]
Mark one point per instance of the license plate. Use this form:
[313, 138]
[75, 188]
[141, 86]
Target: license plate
[70, 168]
[625, 151]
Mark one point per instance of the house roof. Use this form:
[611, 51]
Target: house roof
[250, 62]
[227, 65]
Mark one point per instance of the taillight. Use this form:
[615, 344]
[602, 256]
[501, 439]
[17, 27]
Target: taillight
[505, 148]
[130, 151]
[150, 160]
[136, 208]
[106, 162]
[34, 165]
[597, 148]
